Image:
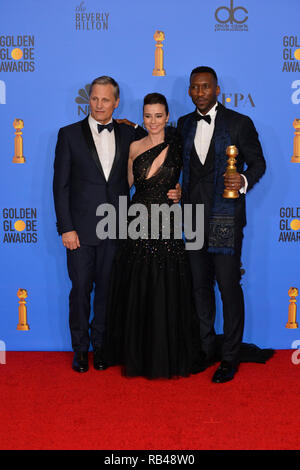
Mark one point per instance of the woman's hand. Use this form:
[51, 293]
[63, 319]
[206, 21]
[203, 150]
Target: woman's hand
[175, 194]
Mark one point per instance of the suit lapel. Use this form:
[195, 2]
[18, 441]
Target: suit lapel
[221, 133]
[118, 148]
[91, 144]
[189, 131]
[221, 111]
[188, 134]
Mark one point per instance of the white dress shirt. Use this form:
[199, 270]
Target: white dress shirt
[204, 133]
[203, 136]
[105, 145]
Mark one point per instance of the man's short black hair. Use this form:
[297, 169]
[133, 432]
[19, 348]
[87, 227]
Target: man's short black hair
[204, 69]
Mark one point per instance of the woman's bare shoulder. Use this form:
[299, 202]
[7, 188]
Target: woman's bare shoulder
[136, 146]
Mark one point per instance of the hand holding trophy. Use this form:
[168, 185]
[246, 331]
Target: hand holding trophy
[230, 192]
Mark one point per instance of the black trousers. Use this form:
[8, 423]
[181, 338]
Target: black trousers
[225, 269]
[89, 267]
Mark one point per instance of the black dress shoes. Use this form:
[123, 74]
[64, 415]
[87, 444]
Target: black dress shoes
[80, 362]
[99, 361]
[201, 366]
[225, 372]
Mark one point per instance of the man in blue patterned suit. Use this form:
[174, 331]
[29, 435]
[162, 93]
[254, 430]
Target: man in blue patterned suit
[206, 134]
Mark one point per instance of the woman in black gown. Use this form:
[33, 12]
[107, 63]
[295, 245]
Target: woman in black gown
[150, 321]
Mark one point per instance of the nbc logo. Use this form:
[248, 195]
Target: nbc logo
[2, 92]
[83, 99]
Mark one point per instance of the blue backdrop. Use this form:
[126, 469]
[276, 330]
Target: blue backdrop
[49, 51]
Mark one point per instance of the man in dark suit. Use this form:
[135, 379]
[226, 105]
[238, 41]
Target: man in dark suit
[207, 132]
[90, 169]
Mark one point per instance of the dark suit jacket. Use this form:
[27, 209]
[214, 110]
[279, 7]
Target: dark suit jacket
[242, 134]
[79, 184]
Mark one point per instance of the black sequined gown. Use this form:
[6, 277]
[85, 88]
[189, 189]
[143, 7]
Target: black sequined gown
[150, 320]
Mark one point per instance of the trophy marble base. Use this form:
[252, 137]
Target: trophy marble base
[295, 159]
[19, 160]
[291, 326]
[23, 327]
[159, 73]
[230, 194]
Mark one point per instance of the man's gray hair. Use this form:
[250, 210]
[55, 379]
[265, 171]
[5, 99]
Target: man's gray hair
[105, 80]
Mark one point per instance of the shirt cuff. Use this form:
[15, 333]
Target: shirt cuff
[136, 126]
[243, 190]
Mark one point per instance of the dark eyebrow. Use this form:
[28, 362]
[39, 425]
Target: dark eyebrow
[199, 84]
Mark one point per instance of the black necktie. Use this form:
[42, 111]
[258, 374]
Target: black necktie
[109, 127]
[206, 118]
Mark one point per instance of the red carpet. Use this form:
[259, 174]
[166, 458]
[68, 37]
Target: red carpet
[45, 405]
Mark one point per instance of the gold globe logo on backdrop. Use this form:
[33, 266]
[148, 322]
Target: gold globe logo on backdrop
[17, 53]
[292, 315]
[159, 71]
[237, 100]
[229, 20]
[22, 325]
[90, 21]
[18, 155]
[296, 153]
[289, 224]
[295, 224]
[83, 100]
[20, 225]
[291, 54]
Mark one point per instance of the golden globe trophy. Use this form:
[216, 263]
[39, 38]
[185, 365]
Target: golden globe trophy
[22, 325]
[18, 156]
[232, 153]
[296, 155]
[292, 323]
[159, 70]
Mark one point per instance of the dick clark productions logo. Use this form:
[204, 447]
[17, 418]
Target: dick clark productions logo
[231, 18]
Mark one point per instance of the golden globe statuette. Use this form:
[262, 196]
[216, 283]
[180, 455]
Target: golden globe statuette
[159, 70]
[293, 293]
[18, 156]
[22, 325]
[232, 153]
[296, 155]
